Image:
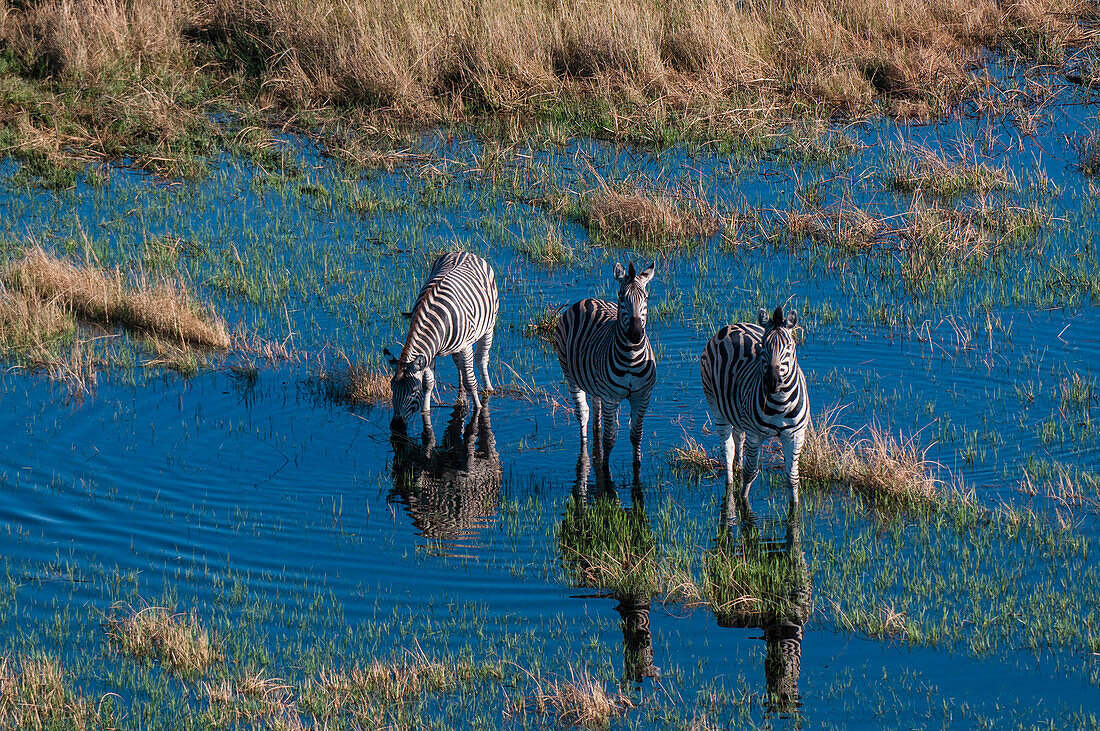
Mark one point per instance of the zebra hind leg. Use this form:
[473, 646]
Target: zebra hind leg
[464, 362]
[481, 355]
[752, 465]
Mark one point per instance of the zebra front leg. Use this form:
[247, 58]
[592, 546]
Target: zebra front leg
[464, 362]
[752, 465]
[580, 407]
[639, 404]
[610, 426]
[481, 354]
[725, 433]
[792, 448]
[426, 397]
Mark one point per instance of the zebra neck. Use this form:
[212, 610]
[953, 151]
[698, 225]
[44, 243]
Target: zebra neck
[422, 340]
[622, 342]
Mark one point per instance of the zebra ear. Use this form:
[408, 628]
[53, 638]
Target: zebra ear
[389, 357]
[792, 318]
[646, 275]
[419, 364]
[762, 317]
[620, 272]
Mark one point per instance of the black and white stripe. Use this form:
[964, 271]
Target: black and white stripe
[455, 311]
[756, 390]
[605, 353]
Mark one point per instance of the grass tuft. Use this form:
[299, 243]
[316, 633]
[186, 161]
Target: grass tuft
[35, 695]
[353, 384]
[878, 466]
[924, 171]
[162, 308]
[693, 457]
[645, 219]
[175, 640]
[581, 701]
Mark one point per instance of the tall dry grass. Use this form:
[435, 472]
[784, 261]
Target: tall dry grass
[128, 71]
[161, 308]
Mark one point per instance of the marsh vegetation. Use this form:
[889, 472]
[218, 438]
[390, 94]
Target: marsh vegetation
[215, 214]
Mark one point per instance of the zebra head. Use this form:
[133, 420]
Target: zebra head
[777, 356]
[407, 385]
[632, 300]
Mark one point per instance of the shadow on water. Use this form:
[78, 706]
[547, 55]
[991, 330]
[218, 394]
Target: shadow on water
[450, 490]
[604, 546]
[765, 584]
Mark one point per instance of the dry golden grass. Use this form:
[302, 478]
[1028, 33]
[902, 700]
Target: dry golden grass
[581, 701]
[354, 384]
[877, 466]
[175, 640]
[163, 308]
[693, 457]
[644, 218]
[35, 694]
[252, 698]
[134, 77]
[31, 325]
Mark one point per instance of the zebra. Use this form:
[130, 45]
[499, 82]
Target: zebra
[455, 311]
[604, 352]
[756, 390]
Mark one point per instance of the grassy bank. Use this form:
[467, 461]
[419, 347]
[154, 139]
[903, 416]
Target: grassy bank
[164, 82]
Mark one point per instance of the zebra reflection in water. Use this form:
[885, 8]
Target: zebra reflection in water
[452, 489]
[583, 535]
[776, 573]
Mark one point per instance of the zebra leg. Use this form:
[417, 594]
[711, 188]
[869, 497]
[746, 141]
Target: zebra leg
[729, 454]
[639, 404]
[464, 362]
[792, 447]
[610, 426]
[580, 406]
[482, 357]
[426, 397]
[752, 465]
[597, 433]
[739, 443]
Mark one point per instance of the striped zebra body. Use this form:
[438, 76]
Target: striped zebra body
[605, 353]
[455, 315]
[756, 390]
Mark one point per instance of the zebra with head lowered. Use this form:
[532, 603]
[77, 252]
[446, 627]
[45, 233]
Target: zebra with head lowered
[456, 310]
[756, 390]
[605, 353]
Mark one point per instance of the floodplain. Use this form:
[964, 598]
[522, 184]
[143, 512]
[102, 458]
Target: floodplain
[207, 525]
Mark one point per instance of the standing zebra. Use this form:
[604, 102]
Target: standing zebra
[456, 308]
[604, 351]
[756, 390]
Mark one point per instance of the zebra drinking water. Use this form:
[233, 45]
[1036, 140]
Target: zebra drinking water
[604, 352]
[456, 309]
[756, 390]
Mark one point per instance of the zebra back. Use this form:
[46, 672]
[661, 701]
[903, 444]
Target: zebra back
[456, 306]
